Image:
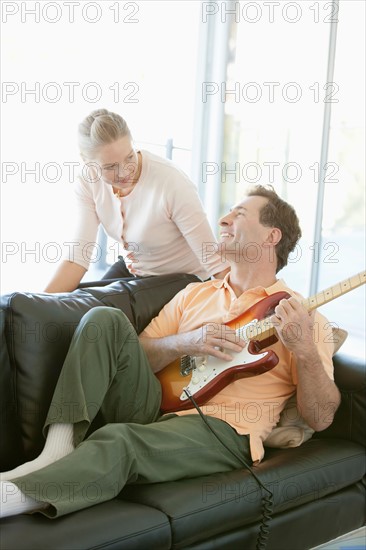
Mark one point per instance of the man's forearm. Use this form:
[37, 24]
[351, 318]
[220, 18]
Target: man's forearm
[317, 395]
[205, 340]
[162, 351]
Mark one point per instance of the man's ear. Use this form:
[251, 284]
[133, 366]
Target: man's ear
[274, 236]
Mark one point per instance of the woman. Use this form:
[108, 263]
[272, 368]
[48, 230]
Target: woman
[144, 202]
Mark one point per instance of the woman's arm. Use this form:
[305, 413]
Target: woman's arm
[66, 278]
[76, 263]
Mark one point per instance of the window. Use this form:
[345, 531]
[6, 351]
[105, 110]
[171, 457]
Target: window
[343, 225]
[273, 101]
[59, 62]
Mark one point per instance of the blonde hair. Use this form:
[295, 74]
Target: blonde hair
[100, 128]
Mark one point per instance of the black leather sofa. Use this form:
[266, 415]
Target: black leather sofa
[318, 488]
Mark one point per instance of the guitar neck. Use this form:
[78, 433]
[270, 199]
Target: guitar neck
[335, 291]
[265, 329]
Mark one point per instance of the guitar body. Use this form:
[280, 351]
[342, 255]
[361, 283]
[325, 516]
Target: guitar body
[210, 375]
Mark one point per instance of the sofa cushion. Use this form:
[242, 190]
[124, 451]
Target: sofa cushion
[295, 477]
[112, 525]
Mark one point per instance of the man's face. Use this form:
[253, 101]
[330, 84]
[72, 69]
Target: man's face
[241, 230]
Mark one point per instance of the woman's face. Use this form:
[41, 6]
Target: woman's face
[119, 163]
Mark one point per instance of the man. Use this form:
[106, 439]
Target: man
[114, 376]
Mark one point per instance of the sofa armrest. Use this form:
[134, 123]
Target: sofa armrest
[350, 418]
[9, 426]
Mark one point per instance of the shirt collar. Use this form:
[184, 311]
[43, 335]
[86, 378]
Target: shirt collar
[276, 287]
[219, 283]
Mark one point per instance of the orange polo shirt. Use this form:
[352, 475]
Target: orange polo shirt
[252, 406]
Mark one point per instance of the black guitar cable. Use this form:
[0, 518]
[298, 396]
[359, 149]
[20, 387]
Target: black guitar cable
[267, 499]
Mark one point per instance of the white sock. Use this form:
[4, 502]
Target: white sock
[59, 443]
[14, 502]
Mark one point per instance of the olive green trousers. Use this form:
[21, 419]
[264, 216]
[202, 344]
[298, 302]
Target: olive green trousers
[106, 375]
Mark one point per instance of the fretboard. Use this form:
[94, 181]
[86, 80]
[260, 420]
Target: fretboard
[264, 329]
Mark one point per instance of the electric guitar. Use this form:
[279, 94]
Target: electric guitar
[203, 377]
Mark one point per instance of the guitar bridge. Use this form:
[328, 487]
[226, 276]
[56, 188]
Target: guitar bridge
[187, 364]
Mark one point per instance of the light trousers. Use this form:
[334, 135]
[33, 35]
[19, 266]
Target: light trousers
[106, 375]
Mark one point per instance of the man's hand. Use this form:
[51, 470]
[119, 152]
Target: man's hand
[210, 339]
[294, 326]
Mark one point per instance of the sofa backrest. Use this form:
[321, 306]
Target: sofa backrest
[37, 330]
[350, 418]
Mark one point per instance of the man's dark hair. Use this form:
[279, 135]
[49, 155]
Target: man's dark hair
[278, 213]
